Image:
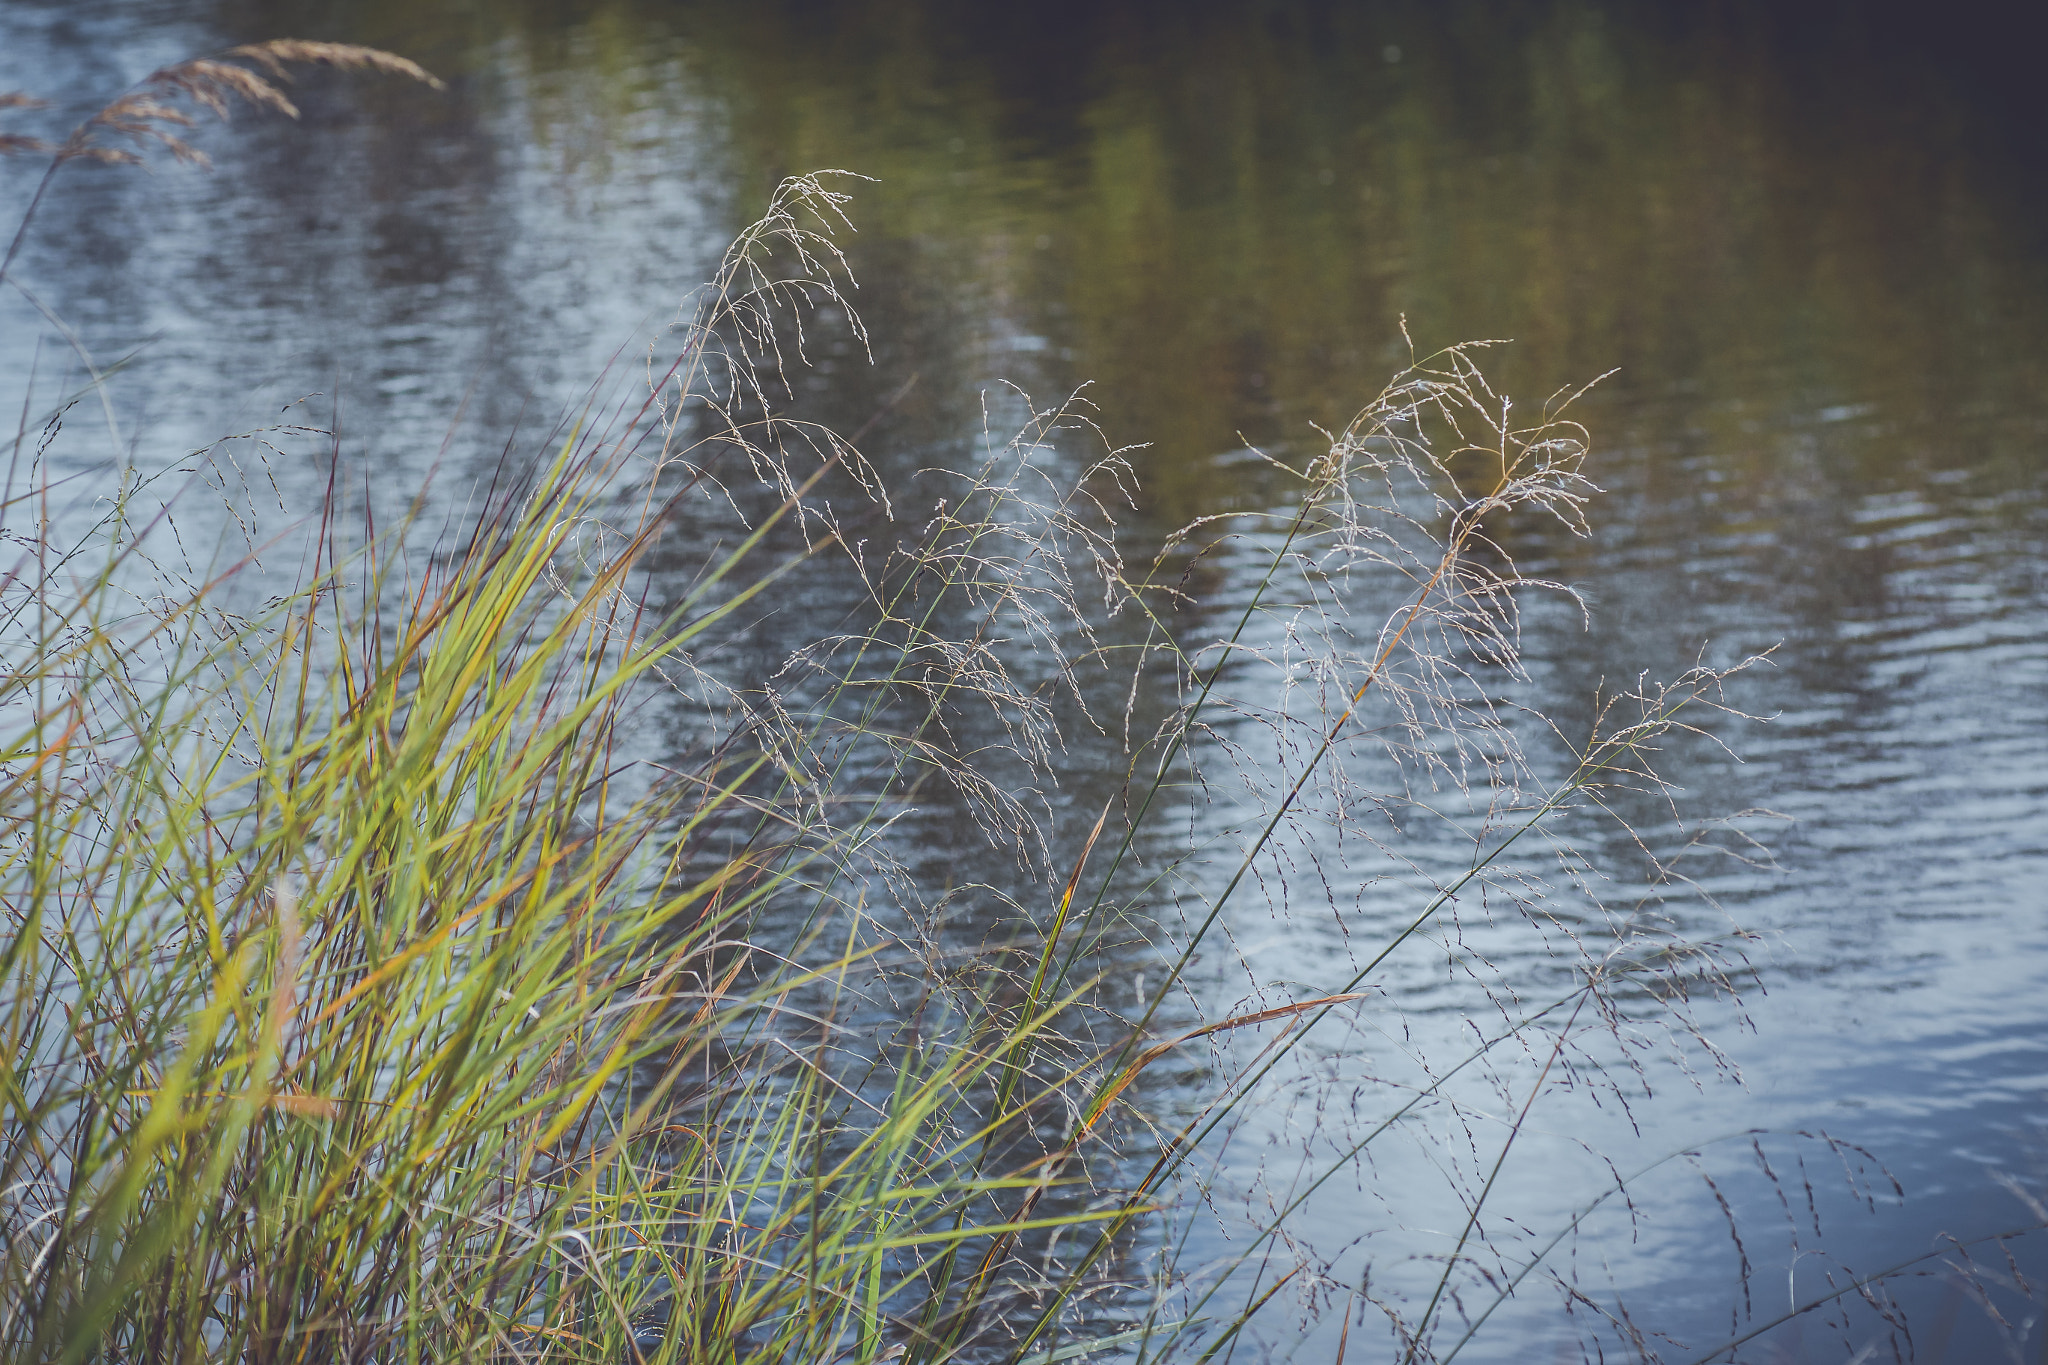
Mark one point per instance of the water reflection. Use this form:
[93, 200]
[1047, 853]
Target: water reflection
[1811, 250]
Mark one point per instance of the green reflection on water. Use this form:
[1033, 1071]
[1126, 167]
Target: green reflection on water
[1220, 214]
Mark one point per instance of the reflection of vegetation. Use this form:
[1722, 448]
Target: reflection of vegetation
[1220, 215]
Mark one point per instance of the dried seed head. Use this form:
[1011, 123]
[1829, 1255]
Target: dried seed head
[213, 83]
[141, 117]
[276, 55]
[145, 115]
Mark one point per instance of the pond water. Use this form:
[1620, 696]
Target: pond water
[1809, 244]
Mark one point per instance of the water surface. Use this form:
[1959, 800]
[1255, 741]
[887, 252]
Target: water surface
[1808, 245]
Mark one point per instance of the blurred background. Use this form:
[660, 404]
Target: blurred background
[1808, 240]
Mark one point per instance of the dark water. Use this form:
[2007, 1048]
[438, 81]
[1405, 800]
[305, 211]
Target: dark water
[1810, 242]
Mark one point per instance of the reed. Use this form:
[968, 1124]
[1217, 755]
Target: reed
[370, 995]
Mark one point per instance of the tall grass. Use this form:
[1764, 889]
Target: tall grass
[371, 993]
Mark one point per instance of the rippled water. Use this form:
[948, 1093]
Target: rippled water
[1813, 250]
